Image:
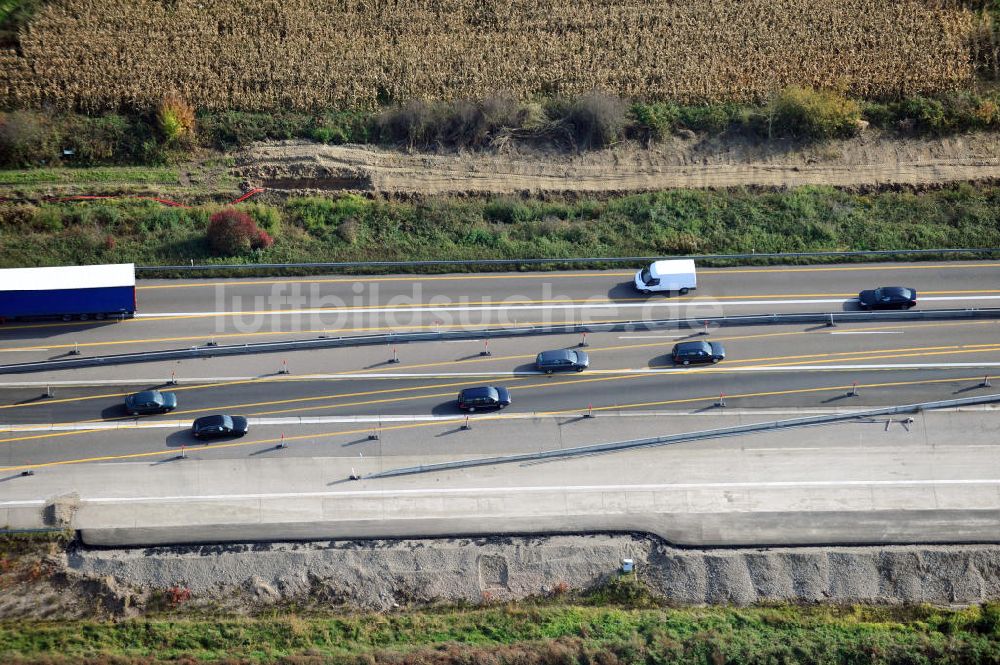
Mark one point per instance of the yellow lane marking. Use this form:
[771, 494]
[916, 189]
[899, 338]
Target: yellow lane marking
[321, 435]
[554, 275]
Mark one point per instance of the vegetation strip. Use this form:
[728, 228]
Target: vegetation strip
[352, 228]
[628, 628]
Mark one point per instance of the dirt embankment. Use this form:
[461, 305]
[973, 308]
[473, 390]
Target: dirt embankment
[873, 159]
[383, 575]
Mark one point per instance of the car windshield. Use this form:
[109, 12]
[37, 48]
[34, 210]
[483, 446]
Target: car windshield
[645, 276]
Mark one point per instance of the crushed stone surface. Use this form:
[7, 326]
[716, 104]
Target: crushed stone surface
[382, 575]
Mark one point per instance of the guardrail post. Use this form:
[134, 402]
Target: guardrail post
[853, 392]
[48, 391]
[583, 339]
[704, 330]
[830, 323]
[722, 401]
[75, 351]
[183, 454]
[486, 348]
[395, 356]
[284, 367]
[986, 382]
[466, 424]
[173, 379]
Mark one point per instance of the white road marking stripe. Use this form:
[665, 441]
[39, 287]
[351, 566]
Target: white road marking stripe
[382, 494]
[436, 309]
[869, 332]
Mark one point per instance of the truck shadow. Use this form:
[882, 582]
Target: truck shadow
[19, 331]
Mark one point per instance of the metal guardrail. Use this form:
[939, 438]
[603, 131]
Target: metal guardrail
[829, 318]
[347, 265]
[684, 437]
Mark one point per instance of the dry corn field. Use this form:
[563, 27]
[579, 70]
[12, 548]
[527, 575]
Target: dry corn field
[307, 54]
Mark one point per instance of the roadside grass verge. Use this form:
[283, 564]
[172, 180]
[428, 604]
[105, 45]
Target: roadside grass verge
[146, 175]
[352, 228]
[545, 632]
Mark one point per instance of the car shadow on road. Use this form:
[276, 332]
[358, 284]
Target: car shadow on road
[183, 438]
[116, 412]
[449, 408]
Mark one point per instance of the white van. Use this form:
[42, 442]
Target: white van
[667, 276]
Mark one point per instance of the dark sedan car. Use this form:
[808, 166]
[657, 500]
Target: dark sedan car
[150, 401]
[888, 297]
[485, 397]
[686, 353]
[561, 361]
[214, 427]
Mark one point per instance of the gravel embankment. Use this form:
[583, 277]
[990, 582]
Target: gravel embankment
[384, 574]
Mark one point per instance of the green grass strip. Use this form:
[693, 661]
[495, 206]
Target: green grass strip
[81, 176]
[353, 228]
[535, 633]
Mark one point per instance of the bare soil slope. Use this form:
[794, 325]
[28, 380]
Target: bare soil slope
[871, 160]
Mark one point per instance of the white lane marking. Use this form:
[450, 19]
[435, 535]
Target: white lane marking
[433, 309]
[381, 494]
[869, 332]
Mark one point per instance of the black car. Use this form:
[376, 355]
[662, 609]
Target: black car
[686, 353]
[888, 297]
[485, 397]
[562, 360]
[214, 427]
[150, 401]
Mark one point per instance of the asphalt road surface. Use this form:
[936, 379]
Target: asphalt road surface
[184, 313]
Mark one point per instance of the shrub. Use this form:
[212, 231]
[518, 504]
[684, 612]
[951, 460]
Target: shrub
[709, 119]
[596, 120]
[26, 139]
[176, 119]
[506, 211]
[814, 114]
[410, 123]
[232, 232]
[464, 123]
[655, 122]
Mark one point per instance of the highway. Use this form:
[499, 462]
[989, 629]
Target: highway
[351, 408]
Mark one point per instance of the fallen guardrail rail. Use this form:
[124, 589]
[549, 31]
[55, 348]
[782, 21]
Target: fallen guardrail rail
[390, 339]
[683, 437]
[360, 265]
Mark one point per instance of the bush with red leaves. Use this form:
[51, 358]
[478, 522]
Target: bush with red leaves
[231, 232]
